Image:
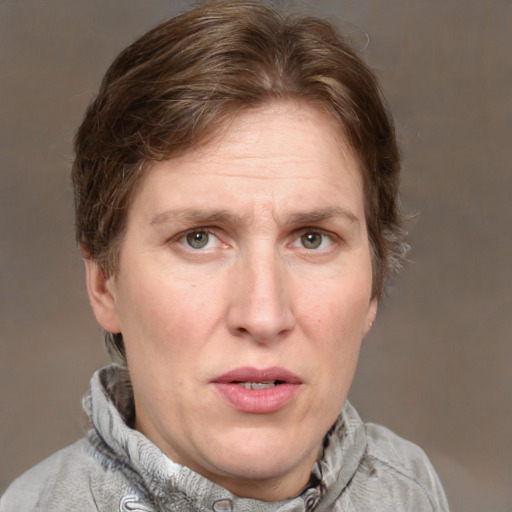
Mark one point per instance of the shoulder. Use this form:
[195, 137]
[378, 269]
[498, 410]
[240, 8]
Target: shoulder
[68, 478]
[398, 454]
[405, 467]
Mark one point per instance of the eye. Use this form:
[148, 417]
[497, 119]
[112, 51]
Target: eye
[313, 240]
[200, 239]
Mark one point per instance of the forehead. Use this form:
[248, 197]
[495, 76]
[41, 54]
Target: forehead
[283, 152]
[266, 131]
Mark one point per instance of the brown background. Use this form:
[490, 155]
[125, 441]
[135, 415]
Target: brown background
[437, 367]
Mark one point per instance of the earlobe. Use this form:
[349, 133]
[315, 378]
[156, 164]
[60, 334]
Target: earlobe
[101, 297]
[371, 315]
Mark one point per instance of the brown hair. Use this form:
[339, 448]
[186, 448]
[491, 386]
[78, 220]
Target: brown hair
[183, 80]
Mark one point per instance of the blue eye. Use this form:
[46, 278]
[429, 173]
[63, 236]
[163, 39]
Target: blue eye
[197, 239]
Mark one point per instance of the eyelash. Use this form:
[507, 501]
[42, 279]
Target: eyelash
[182, 237]
[318, 232]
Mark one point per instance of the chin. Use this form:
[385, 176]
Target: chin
[254, 456]
[252, 477]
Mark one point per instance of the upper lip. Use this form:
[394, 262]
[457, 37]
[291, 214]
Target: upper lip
[248, 374]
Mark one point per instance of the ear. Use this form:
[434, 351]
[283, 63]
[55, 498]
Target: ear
[100, 288]
[370, 316]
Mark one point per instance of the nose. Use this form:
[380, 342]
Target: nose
[260, 307]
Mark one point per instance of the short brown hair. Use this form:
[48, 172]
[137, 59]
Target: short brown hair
[183, 80]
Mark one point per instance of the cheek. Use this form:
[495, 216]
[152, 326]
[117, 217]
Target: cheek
[159, 311]
[334, 320]
[337, 311]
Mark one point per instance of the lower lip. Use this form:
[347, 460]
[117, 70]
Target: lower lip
[257, 401]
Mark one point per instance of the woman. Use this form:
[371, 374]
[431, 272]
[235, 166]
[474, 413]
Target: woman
[236, 185]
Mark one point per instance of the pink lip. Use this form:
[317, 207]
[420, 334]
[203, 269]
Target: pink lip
[257, 401]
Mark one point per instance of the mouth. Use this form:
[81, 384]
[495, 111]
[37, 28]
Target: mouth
[254, 391]
[252, 378]
[260, 385]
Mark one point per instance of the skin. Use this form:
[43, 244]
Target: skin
[284, 280]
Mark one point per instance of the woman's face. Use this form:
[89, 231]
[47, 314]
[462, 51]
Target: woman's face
[243, 294]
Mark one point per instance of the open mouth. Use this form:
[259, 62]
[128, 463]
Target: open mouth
[252, 378]
[259, 385]
[258, 391]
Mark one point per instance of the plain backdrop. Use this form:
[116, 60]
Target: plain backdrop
[437, 366]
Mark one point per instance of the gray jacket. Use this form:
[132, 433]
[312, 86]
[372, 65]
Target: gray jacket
[364, 468]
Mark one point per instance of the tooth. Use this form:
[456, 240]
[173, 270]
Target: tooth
[257, 385]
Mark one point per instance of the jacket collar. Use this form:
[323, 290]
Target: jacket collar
[109, 405]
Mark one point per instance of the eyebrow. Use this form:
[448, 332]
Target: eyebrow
[223, 216]
[195, 215]
[320, 215]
